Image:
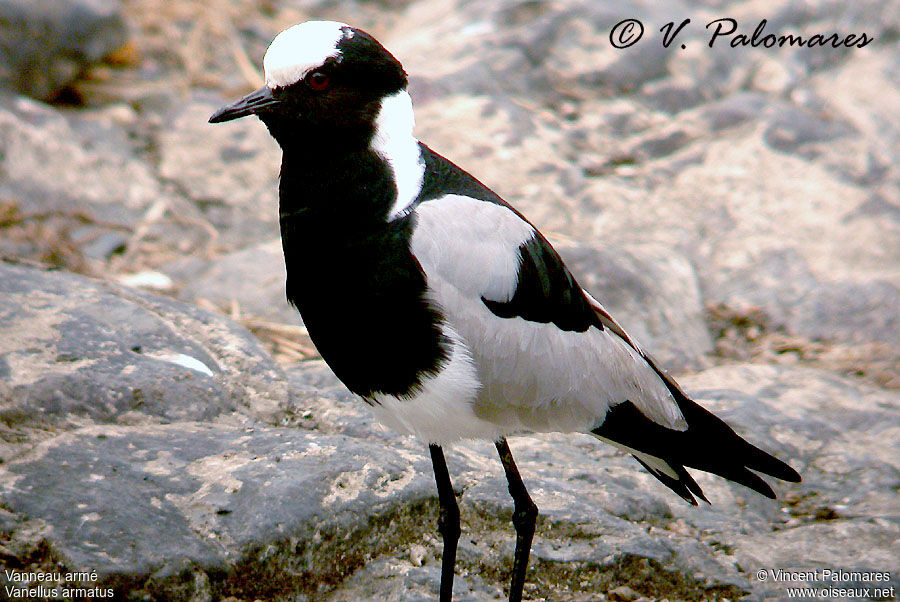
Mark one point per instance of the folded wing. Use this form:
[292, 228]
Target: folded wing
[550, 357]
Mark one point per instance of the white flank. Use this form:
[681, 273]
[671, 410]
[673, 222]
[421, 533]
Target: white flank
[299, 49]
[393, 141]
[442, 410]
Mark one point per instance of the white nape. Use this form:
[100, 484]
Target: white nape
[299, 49]
[393, 141]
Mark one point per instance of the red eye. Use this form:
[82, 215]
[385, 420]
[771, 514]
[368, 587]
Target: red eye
[318, 81]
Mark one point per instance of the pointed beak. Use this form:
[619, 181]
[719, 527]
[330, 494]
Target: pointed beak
[253, 103]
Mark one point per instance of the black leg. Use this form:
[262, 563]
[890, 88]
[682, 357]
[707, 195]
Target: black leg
[524, 519]
[448, 520]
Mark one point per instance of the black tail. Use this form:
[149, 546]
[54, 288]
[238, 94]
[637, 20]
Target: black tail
[707, 444]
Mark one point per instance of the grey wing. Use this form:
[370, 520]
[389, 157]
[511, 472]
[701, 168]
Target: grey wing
[546, 357]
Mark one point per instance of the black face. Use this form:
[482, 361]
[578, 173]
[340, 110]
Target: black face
[338, 100]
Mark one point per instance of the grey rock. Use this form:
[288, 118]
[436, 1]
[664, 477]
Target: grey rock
[76, 351]
[87, 177]
[45, 45]
[541, 49]
[629, 71]
[253, 277]
[230, 172]
[673, 97]
[841, 310]
[866, 158]
[218, 496]
[877, 205]
[762, 227]
[51, 161]
[755, 177]
[623, 592]
[661, 144]
[94, 169]
[848, 501]
[793, 127]
[850, 312]
[539, 183]
[825, 425]
[652, 292]
[319, 401]
[231, 502]
[398, 580]
[734, 110]
[104, 245]
[549, 51]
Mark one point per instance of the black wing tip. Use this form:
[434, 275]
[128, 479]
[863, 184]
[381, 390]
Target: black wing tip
[766, 490]
[708, 444]
[743, 476]
[781, 471]
[785, 474]
[788, 474]
[764, 462]
[703, 497]
[744, 454]
[684, 485]
[739, 473]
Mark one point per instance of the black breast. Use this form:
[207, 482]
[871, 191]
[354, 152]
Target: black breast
[361, 294]
[350, 271]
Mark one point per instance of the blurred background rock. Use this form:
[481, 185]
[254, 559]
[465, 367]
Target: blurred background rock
[738, 210]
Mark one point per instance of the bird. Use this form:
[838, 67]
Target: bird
[441, 305]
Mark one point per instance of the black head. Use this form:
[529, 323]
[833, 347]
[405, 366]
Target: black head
[322, 79]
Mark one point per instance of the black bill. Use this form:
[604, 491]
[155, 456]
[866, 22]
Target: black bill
[251, 104]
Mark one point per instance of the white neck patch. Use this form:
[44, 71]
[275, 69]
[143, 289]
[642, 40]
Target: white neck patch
[299, 49]
[394, 142]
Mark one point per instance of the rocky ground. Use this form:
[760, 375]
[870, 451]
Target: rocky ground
[164, 419]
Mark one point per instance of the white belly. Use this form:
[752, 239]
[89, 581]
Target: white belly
[442, 410]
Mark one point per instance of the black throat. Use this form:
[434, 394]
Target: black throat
[333, 179]
[350, 271]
